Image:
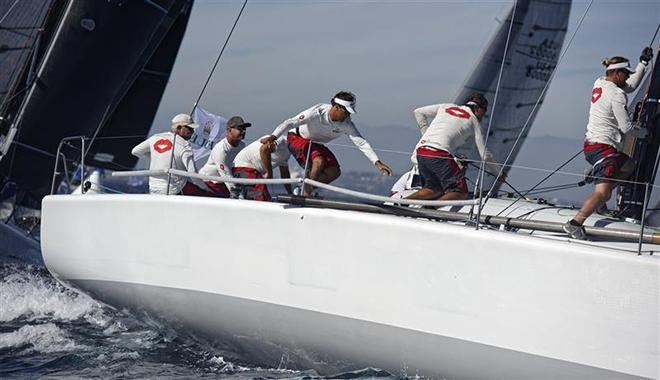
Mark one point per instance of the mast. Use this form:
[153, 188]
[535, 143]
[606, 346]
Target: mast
[630, 199]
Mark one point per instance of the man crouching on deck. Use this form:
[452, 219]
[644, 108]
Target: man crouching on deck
[257, 161]
[318, 125]
[452, 126]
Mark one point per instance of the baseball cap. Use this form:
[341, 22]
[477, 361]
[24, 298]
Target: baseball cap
[237, 122]
[184, 119]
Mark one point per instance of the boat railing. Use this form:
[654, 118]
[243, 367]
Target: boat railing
[301, 181]
[59, 154]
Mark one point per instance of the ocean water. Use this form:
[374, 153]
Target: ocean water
[50, 331]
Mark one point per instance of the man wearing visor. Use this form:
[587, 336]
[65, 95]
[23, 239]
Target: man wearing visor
[608, 123]
[222, 156]
[318, 125]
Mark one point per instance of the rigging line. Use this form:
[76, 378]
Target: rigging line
[8, 11]
[208, 79]
[654, 35]
[482, 168]
[545, 88]
[489, 173]
[541, 181]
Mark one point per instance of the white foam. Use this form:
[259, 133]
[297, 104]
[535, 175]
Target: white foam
[41, 338]
[26, 295]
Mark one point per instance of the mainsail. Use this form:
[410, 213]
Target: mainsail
[21, 36]
[102, 75]
[535, 43]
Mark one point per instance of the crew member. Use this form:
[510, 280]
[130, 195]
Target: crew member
[160, 148]
[319, 125]
[452, 126]
[257, 161]
[222, 156]
[608, 122]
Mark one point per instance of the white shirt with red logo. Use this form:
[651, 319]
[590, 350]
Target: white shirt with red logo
[314, 123]
[221, 160]
[608, 114]
[159, 149]
[452, 127]
[250, 157]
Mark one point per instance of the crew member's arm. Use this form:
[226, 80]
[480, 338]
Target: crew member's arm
[620, 111]
[366, 149]
[422, 115]
[264, 155]
[289, 124]
[284, 173]
[224, 167]
[189, 162]
[141, 149]
[635, 79]
[485, 155]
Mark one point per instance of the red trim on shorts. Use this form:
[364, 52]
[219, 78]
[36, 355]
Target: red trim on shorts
[428, 151]
[218, 188]
[607, 149]
[299, 145]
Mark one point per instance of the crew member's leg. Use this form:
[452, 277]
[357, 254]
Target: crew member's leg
[617, 166]
[324, 166]
[454, 196]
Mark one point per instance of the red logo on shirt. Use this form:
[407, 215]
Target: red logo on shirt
[222, 166]
[301, 117]
[458, 112]
[163, 145]
[596, 93]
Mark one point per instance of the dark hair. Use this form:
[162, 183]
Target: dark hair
[343, 95]
[479, 99]
[610, 61]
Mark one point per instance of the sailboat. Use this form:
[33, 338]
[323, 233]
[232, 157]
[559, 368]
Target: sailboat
[499, 292]
[74, 68]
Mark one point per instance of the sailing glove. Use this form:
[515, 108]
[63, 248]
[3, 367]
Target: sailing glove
[646, 56]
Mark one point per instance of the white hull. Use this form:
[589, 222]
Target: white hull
[338, 290]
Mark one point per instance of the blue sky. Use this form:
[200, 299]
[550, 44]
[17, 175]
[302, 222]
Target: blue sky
[395, 55]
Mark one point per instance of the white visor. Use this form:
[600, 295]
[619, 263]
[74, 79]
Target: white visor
[621, 65]
[350, 106]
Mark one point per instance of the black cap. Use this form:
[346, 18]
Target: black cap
[237, 122]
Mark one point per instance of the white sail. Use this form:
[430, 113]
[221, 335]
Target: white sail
[535, 44]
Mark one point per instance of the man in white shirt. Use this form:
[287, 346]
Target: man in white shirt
[257, 161]
[452, 126]
[318, 125]
[222, 156]
[608, 123]
[172, 148]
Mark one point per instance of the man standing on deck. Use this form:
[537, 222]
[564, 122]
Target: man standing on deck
[257, 161]
[320, 124]
[172, 148]
[608, 123]
[452, 126]
[222, 156]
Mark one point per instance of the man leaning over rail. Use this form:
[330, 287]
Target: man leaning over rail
[257, 161]
[321, 124]
[608, 122]
[452, 126]
[172, 148]
[221, 159]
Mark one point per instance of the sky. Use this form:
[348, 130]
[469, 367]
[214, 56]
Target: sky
[286, 56]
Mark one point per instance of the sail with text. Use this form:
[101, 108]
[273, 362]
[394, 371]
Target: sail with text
[535, 43]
